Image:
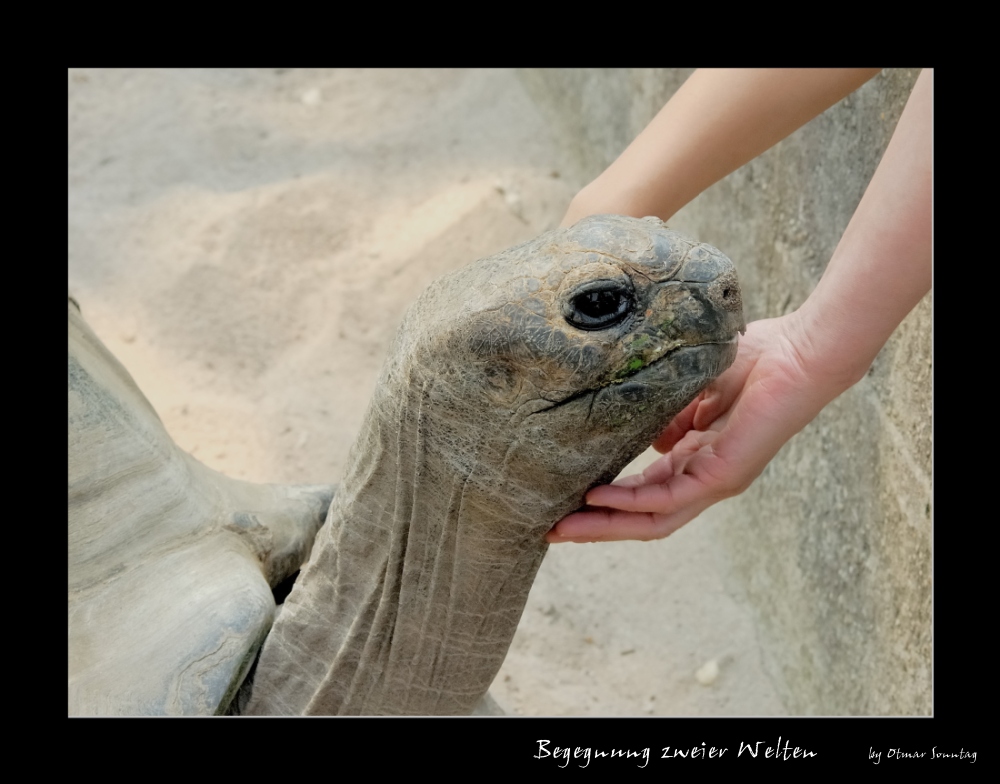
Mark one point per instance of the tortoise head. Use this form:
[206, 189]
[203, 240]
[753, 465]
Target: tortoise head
[546, 368]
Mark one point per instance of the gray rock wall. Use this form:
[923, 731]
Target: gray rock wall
[832, 544]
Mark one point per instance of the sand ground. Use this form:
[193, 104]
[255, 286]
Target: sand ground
[245, 243]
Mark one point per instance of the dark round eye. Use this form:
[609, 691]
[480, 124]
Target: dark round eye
[600, 305]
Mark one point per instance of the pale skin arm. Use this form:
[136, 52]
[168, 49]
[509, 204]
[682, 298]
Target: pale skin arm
[788, 368]
[717, 121]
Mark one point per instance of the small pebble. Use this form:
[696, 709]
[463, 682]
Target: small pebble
[707, 673]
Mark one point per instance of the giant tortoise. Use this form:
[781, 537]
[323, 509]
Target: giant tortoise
[513, 386]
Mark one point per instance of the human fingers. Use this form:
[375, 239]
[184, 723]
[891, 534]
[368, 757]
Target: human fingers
[611, 525]
[678, 427]
[715, 401]
[711, 403]
[660, 470]
[632, 480]
[661, 498]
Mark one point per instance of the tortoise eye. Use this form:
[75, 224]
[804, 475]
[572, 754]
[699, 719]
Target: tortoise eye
[600, 305]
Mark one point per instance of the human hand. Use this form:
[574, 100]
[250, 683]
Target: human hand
[718, 445]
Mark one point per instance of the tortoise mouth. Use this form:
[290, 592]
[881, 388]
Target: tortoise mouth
[645, 373]
[648, 368]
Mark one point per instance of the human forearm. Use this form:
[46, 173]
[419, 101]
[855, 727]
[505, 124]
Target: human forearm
[882, 265]
[717, 121]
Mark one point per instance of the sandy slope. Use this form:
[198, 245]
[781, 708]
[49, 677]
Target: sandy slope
[245, 243]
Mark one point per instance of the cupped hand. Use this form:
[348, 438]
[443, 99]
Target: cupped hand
[715, 447]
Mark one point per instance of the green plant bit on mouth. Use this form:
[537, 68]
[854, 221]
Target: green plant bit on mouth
[633, 365]
[641, 342]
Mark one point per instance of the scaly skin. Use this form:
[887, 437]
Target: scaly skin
[170, 563]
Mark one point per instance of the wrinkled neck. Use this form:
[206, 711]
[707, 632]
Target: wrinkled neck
[417, 581]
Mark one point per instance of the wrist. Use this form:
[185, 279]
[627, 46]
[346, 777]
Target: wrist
[596, 199]
[607, 195]
[830, 348]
